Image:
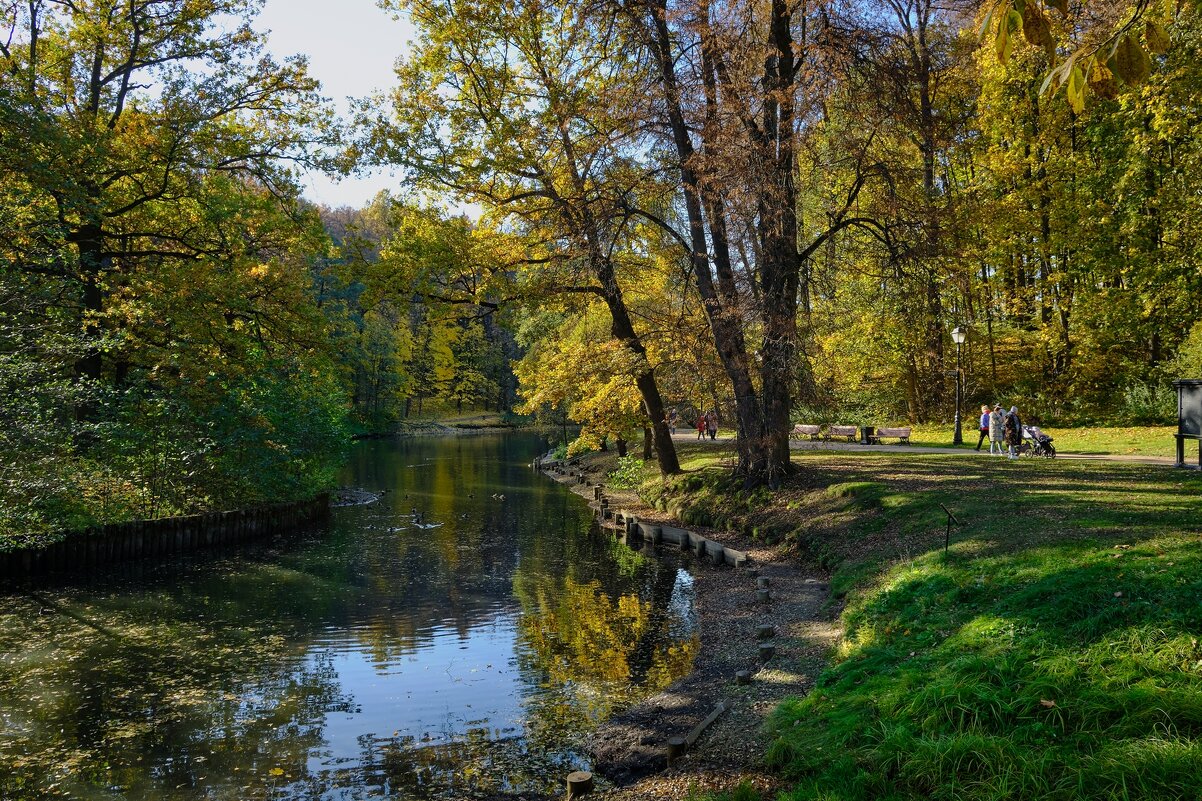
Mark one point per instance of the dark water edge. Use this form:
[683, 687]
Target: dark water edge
[438, 643]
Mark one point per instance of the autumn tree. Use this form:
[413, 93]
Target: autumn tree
[741, 90]
[142, 126]
[527, 110]
[146, 150]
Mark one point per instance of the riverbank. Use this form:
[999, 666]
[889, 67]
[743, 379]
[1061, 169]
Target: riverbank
[458, 425]
[629, 749]
[97, 548]
[1053, 648]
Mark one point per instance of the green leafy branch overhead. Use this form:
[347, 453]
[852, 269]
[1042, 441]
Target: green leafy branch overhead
[1096, 47]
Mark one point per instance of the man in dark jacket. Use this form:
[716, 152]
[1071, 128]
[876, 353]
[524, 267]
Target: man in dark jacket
[1014, 432]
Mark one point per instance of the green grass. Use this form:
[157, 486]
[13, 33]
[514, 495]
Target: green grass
[1124, 441]
[1133, 441]
[1052, 653]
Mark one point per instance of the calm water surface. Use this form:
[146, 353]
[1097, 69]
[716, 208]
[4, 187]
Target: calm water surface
[439, 643]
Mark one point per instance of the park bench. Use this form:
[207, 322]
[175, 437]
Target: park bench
[800, 430]
[841, 431]
[902, 435]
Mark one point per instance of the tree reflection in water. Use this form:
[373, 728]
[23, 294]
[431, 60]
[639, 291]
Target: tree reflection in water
[374, 659]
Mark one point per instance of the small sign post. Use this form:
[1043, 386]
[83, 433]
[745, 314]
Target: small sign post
[1189, 417]
[947, 534]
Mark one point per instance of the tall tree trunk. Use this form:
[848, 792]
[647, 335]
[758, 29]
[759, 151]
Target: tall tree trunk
[653, 405]
[780, 268]
[719, 302]
[585, 223]
[94, 262]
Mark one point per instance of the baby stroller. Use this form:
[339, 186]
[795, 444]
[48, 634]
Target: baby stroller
[1037, 443]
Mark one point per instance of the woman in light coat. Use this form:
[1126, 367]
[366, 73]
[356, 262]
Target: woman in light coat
[997, 430]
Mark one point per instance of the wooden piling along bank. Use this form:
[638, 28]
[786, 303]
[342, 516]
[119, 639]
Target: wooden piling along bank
[137, 539]
[634, 532]
[684, 539]
[638, 530]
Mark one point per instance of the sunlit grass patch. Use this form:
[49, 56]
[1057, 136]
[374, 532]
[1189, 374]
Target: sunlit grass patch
[1063, 670]
[1052, 652]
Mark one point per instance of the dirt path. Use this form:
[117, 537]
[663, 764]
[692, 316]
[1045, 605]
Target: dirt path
[630, 749]
[836, 445]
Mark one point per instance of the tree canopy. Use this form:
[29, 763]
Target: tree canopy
[609, 211]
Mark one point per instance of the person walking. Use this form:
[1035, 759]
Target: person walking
[984, 426]
[1014, 432]
[997, 429]
[672, 420]
[701, 426]
[711, 424]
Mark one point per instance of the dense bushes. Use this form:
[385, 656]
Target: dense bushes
[275, 432]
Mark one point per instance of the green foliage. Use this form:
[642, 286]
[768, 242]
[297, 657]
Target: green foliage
[410, 299]
[159, 346]
[628, 474]
[744, 792]
[1148, 404]
[1188, 361]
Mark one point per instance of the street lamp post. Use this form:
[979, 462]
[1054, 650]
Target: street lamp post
[959, 335]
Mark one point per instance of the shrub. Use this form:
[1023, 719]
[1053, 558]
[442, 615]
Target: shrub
[1154, 404]
[628, 474]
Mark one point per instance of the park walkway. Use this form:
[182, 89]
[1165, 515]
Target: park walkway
[807, 445]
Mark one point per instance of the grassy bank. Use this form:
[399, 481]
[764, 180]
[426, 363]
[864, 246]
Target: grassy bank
[1053, 652]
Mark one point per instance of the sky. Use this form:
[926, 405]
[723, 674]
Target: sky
[351, 45]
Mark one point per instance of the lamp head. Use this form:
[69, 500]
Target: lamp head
[959, 335]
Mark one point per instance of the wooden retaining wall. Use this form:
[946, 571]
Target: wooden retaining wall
[713, 550]
[137, 539]
[634, 529]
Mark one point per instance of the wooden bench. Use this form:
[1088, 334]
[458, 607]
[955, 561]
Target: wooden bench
[902, 435]
[799, 431]
[841, 431]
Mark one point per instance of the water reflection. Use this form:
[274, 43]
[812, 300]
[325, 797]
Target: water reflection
[438, 643]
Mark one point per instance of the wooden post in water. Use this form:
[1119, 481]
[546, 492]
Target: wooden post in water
[580, 783]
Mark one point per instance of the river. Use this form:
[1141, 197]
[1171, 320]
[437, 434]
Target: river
[460, 637]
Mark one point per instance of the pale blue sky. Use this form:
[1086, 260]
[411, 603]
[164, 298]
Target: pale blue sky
[351, 45]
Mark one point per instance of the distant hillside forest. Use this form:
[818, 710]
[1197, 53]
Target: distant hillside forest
[609, 210]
